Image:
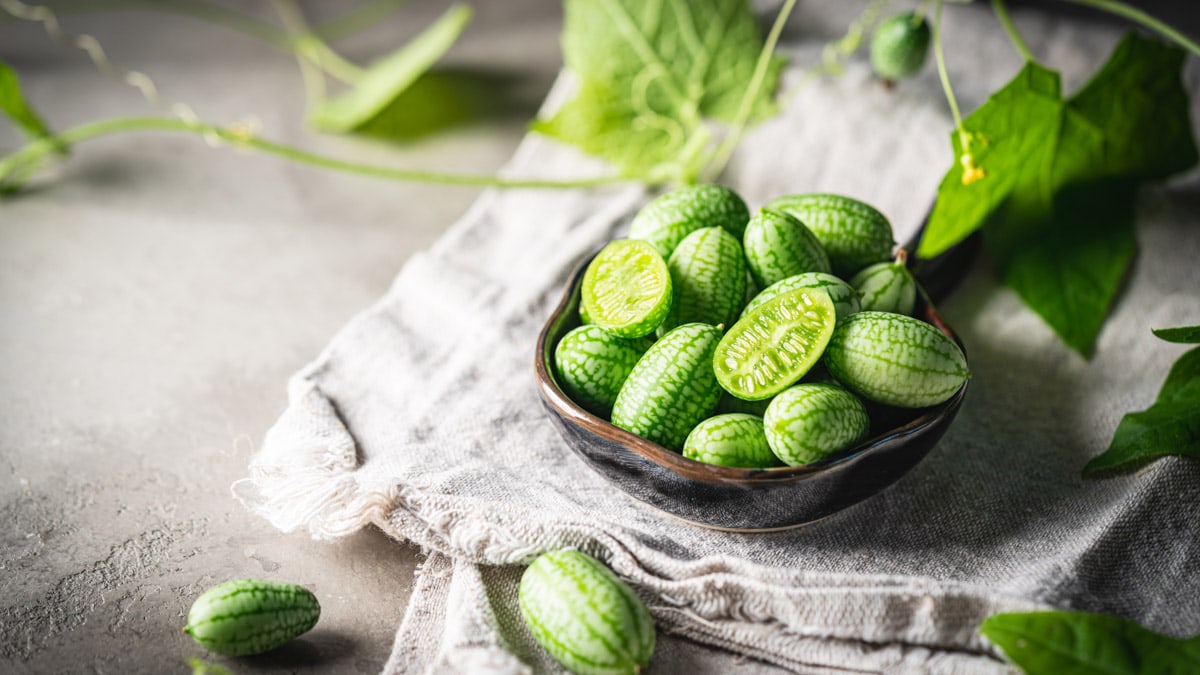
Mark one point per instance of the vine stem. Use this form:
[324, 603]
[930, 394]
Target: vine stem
[1138, 16]
[725, 150]
[1001, 11]
[941, 68]
[37, 149]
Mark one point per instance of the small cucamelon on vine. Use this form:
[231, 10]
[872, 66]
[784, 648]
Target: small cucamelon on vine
[626, 289]
[251, 616]
[887, 287]
[734, 439]
[845, 298]
[666, 220]
[779, 246]
[899, 46]
[593, 364]
[589, 620]
[810, 422]
[895, 360]
[672, 388]
[708, 276]
[853, 234]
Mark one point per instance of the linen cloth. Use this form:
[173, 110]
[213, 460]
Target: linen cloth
[421, 418]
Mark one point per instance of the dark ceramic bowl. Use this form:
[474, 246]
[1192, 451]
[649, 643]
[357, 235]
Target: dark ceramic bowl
[745, 500]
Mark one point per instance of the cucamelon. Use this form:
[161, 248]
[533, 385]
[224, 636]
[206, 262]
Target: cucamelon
[734, 439]
[251, 616]
[666, 220]
[810, 422]
[626, 289]
[887, 287]
[852, 233]
[589, 620]
[895, 360]
[593, 364]
[778, 246]
[672, 388]
[708, 276]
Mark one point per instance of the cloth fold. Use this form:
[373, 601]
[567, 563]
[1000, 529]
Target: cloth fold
[421, 418]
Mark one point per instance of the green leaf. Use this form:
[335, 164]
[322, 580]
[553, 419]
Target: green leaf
[649, 73]
[1054, 181]
[13, 103]
[1184, 334]
[389, 77]
[1080, 643]
[1169, 427]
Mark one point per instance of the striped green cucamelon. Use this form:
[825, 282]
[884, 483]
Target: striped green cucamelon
[666, 220]
[779, 246]
[810, 422]
[895, 360]
[771, 348]
[626, 289]
[899, 46]
[852, 233]
[593, 364]
[708, 277]
[589, 620]
[887, 287]
[734, 439]
[845, 298]
[251, 616]
[672, 388]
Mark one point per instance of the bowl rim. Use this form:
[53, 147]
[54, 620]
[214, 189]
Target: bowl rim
[553, 396]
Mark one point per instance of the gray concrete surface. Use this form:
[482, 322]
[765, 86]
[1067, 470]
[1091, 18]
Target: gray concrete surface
[155, 294]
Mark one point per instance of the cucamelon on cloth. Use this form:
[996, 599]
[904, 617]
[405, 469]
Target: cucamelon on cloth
[251, 616]
[809, 422]
[852, 233]
[585, 616]
[895, 360]
[887, 287]
[734, 439]
[708, 277]
[779, 246]
[845, 298]
[593, 364]
[672, 388]
[666, 220]
[626, 289]
[771, 348]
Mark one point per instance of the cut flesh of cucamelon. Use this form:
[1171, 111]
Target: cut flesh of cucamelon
[771, 348]
[627, 288]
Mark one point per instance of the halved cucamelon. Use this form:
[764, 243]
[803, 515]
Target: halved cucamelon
[666, 220]
[810, 422]
[708, 277]
[779, 246]
[584, 615]
[852, 233]
[593, 364]
[734, 439]
[672, 388]
[251, 616]
[895, 360]
[844, 297]
[771, 348]
[627, 289]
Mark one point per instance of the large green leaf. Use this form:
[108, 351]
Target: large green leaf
[386, 79]
[1055, 180]
[650, 72]
[1080, 643]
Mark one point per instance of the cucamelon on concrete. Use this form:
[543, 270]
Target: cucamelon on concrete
[810, 422]
[672, 388]
[845, 298]
[666, 220]
[734, 439]
[852, 233]
[626, 289]
[589, 620]
[251, 616]
[771, 348]
[708, 277]
[887, 287]
[778, 246]
[593, 364]
[895, 360]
